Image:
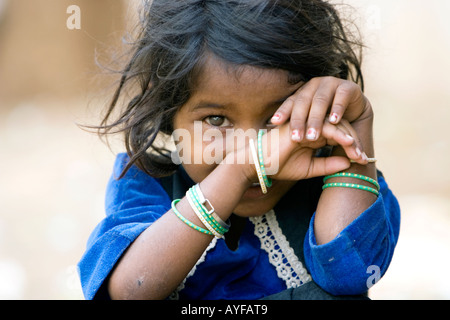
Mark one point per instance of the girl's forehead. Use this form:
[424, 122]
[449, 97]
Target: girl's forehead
[218, 74]
[228, 88]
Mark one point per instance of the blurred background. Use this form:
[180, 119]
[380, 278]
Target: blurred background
[53, 174]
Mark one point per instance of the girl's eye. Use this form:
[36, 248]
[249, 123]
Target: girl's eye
[217, 121]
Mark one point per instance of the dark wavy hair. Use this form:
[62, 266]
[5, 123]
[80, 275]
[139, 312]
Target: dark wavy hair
[305, 37]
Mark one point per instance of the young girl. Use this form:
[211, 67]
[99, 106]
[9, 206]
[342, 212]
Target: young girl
[297, 210]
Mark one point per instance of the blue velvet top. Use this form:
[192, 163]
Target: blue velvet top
[276, 252]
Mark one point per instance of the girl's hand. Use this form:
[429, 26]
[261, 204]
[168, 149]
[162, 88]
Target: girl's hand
[320, 98]
[285, 159]
[296, 161]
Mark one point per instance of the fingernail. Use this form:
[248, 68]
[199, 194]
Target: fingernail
[349, 137]
[276, 117]
[333, 117]
[358, 152]
[311, 134]
[296, 135]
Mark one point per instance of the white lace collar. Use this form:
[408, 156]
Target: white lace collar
[281, 255]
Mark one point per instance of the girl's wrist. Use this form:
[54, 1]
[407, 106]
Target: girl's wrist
[364, 129]
[366, 115]
[225, 186]
[239, 166]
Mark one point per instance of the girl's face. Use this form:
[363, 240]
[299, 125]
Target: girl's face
[224, 101]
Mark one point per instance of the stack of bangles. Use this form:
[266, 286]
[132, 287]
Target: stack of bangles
[352, 185]
[214, 224]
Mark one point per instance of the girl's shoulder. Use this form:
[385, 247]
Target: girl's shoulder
[135, 188]
[140, 186]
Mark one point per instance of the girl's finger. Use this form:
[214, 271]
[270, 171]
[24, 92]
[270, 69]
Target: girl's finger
[327, 165]
[346, 93]
[339, 135]
[299, 116]
[302, 100]
[321, 102]
[359, 149]
[283, 113]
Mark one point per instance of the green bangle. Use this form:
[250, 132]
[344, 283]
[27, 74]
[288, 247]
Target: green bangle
[212, 212]
[353, 175]
[350, 185]
[200, 216]
[204, 213]
[190, 224]
[267, 180]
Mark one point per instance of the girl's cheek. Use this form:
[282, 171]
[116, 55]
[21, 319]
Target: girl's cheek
[183, 153]
[199, 148]
[214, 147]
[209, 147]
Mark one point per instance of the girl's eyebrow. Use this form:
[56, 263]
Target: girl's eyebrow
[213, 105]
[203, 105]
